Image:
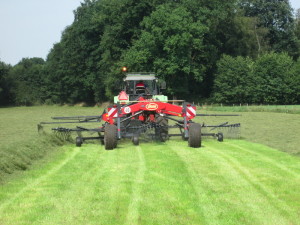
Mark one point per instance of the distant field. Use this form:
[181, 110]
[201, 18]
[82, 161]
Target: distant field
[278, 130]
[234, 182]
[292, 109]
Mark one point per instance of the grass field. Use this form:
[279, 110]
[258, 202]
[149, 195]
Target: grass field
[277, 130]
[291, 109]
[20, 143]
[234, 182]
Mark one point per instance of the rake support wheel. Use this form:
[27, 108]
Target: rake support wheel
[79, 141]
[220, 137]
[162, 133]
[110, 136]
[194, 135]
[135, 140]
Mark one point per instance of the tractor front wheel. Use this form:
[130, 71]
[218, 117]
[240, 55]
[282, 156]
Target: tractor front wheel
[194, 135]
[110, 136]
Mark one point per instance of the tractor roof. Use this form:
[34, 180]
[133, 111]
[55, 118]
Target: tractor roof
[140, 76]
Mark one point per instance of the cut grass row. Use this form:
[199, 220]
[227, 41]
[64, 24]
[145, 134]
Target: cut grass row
[20, 144]
[235, 182]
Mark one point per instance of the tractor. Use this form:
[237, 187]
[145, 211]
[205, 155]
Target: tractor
[142, 111]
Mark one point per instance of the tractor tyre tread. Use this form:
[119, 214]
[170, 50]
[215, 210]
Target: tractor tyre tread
[110, 137]
[194, 139]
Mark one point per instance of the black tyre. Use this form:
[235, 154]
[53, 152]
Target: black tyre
[79, 141]
[220, 137]
[135, 140]
[110, 136]
[162, 132]
[194, 135]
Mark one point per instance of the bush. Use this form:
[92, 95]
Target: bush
[272, 79]
[233, 80]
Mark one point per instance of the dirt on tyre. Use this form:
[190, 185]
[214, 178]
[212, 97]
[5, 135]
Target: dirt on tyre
[110, 137]
[194, 135]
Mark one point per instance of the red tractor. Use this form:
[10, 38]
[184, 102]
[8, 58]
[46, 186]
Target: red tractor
[140, 110]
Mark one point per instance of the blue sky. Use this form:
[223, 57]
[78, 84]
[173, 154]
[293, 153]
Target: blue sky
[29, 28]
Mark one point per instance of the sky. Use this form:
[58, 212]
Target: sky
[29, 28]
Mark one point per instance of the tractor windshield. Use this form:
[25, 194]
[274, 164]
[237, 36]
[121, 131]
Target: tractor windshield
[140, 83]
[136, 87]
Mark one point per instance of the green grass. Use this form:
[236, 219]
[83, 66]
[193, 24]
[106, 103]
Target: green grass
[291, 109]
[21, 145]
[235, 182]
[277, 130]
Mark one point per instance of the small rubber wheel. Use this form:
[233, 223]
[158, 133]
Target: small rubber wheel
[183, 137]
[220, 137]
[135, 140]
[162, 132]
[194, 135]
[110, 136]
[79, 141]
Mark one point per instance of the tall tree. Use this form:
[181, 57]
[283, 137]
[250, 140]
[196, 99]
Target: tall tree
[5, 84]
[277, 17]
[28, 80]
[171, 43]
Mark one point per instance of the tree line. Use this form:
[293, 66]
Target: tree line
[234, 51]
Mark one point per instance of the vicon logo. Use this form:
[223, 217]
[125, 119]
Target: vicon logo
[152, 106]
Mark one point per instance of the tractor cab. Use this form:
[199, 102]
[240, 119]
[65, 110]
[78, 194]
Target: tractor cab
[141, 84]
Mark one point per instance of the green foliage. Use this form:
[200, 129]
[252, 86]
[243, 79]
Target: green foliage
[28, 81]
[5, 84]
[277, 17]
[272, 73]
[233, 82]
[170, 44]
[272, 79]
[181, 41]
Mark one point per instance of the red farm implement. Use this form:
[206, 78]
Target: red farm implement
[141, 111]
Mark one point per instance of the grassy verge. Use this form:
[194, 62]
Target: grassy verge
[234, 182]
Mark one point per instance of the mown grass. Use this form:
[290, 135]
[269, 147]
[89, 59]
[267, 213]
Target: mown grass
[20, 143]
[277, 130]
[234, 182]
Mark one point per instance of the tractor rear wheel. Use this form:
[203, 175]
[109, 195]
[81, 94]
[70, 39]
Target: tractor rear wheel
[162, 132]
[195, 135]
[110, 136]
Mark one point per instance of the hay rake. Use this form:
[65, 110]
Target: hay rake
[137, 114]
